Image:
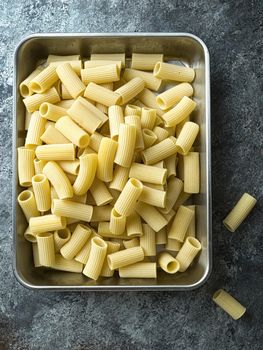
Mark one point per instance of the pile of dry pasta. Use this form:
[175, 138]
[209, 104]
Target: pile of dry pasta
[108, 165]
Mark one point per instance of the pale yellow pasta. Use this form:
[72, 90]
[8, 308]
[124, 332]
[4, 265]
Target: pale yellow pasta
[120, 177]
[240, 211]
[65, 103]
[35, 130]
[168, 71]
[145, 61]
[170, 164]
[109, 57]
[93, 63]
[83, 254]
[61, 58]
[63, 264]
[95, 140]
[130, 90]
[125, 257]
[191, 228]
[177, 114]
[147, 173]
[61, 237]
[153, 197]
[160, 151]
[148, 118]
[76, 65]
[229, 304]
[100, 75]
[25, 166]
[27, 202]
[148, 241]
[101, 213]
[96, 258]
[139, 270]
[115, 120]
[151, 82]
[171, 130]
[35, 255]
[46, 223]
[173, 245]
[100, 193]
[188, 252]
[151, 216]
[70, 209]
[70, 79]
[106, 156]
[117, 223]
[46, 249]
[126, 145]
[72, 131]
[154, 186]
[33, 102]
[24, 86]
[70, 166]
[161, 133]
[28, 116]
[52, 136]
[148, 98]
[51, 112]
[180, 126]
[72, 178]
[79, 237]
[168, 263]
[181, 223]
[53, 193]
[187, 137]
[42, 193]
[30, 236]
[44, 80]
[134, 225]
[64, 151]
[172, 96]
[191, 173]
[136, 121]
[101, 94]
[83, 151]
[58, 180]
[134, 242]
[103, 109]
[113, 247]
[161, 237]
[174, 189]
[149, 138]
[128, 198]
[49, 123]
[80, 199]
[132, 110]
[104, 231]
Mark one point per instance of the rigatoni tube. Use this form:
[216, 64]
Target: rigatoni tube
[168, 263]
[125, 257]
[187, 137]
[72, 131]
[113, 247]
[151, 82]
[168, 71]
[35, 130]
[41, 189]
[127, 200]
[61, 237]
[139, 270]
[51, 112]
[27, 202]
[116, 118]
[145, 61]
[191, 173]
[44, 223]
[153, 197]
[126, 145]
[86, 175]
[172, 96]
[181, 223]
[147, 173]
[70, 79]
[148, 241]
[188, 252]
[130, 90]
[102, 95]
[120, 177]
[65, 151]
[117, 223]
[46, 249]
[100, 75]
[70, 209]
[44, 80]
[106, 156]
[229, 304]
[33, 102]
[79, 237]
[151, 216]
[96, 259]
[160, 151]
[25, 166]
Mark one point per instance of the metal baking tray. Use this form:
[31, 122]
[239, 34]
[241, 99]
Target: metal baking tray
[183, 47]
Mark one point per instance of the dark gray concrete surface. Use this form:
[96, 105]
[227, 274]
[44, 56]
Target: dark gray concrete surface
[232, 31]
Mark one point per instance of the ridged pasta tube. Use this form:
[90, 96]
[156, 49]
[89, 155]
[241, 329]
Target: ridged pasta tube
[125, 257]
[70, 209]
[64, 151]
[128, 198]
[240, 211]
[96, 259]
[151, 82]
[42, 193]
[70, 166]
[126, 146]
[100, 75]
[187, 137]
[79, 237]
[134, 225]
[62, 58]
[99, 63]
[161, 133]
[139, 270]
[147, 173]
[83, 254]
[53, 136]
[172, 96]
[151, 216]
[102, 95]
[58, 180]
[87, 172]
[181, 223]
[61, 237]
[46, 249]
[149, 138]
[161, 236]
[191, 173]
[27, 202]
[175, 72]
[115, 120]
[100, 192]
[70, 79]
[229, 304]
[132, 110]
[130, 90]
[191, 228]
[153, 197]
[170, 164]
[188, 252]
[113, 247]
[117, 223]
[76, 65]
[35, 130]
[168, 263]
[148, 118]
[148, 98]
[136, 121]
[148, 241]
[109, 57]
[30, 236]
[33, 102]
[44, 80]
[134, 242]
[63, 264]
[51, 112]
[120, 177]
[160, 151]
[174, 189]
[25, 166]
[24, 86]
[106, 156]
[35, 255]
[72, 131]
[44, 223]
[178, 113]
[145, 61]
[173, 245]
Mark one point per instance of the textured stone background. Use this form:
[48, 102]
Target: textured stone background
[232, 31]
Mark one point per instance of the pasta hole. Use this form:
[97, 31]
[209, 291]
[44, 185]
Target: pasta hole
[24, 90]
[35, 87]
[43, 110]
[44, 234]
[194, 242]
[157, 68]
[136, 183]
[172, 266]
[64, 234]
[115, 213]
[99, 242]
[25, 195]
[148, 132]
[160, 102]
[39, 178]
[217, 293]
